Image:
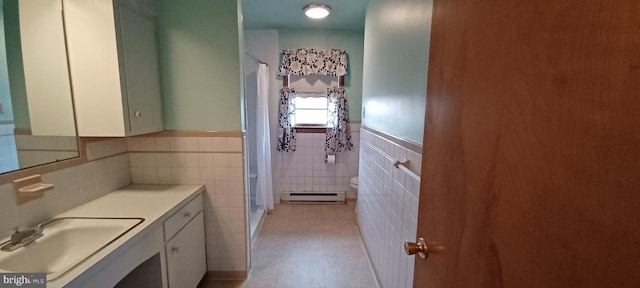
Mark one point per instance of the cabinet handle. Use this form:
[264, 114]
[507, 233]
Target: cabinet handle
[174, 249]
[187, 214]
[138, 114]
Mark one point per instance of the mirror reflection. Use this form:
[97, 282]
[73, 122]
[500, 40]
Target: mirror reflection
[37, 123]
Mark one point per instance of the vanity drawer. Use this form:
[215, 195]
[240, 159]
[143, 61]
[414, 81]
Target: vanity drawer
[182, 217]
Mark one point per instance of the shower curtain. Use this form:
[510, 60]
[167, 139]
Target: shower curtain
[264, 193]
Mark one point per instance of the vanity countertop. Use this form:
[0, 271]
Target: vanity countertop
[154, 203]
[138, 200]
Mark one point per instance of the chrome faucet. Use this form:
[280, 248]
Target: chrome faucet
[22, 238]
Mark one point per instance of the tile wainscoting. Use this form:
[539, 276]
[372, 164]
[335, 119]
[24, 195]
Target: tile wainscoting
[388, 205]
[211, 158]
[107, 164]
[8, 152]
[305, 170]
[34, 150]
[107, 171]
[18, 148]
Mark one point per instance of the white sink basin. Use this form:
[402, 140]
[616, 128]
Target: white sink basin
[65, 244]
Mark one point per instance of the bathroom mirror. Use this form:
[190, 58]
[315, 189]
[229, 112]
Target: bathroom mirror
[37, 122]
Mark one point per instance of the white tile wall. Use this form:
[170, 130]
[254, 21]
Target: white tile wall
[8, 153]
[35, 150]
[73, 186]
[387, 208]
[305, 170]
[216, 162]
[104, 148]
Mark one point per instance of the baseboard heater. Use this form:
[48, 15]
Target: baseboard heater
[313, 197]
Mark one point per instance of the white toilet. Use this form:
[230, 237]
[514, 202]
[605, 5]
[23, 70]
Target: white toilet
[354, 183]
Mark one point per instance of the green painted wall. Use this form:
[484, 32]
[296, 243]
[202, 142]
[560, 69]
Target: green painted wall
[15, 66]
[5, 93]
[200, 64]
[396, 45]
[243, 112]
[352, 41]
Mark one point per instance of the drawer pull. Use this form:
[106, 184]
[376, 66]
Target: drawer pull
[175, 222]
[174, 249]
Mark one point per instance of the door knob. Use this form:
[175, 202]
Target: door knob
[138, 114]
[420, 247]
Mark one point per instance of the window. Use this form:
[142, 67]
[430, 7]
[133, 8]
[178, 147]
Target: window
[311, 111]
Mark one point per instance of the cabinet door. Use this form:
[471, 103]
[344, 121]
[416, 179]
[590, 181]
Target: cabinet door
[186, 259]
[141, 72]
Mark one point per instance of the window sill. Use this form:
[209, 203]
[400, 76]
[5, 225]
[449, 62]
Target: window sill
[312, 129]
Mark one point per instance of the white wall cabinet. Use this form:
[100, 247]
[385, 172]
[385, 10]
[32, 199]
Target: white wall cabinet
[185, 246]
[46, 72]
[113, 60]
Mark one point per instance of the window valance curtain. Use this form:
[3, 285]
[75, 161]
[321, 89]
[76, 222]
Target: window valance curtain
[298, 62]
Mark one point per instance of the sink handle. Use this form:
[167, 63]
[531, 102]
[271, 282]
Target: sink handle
[38, 228]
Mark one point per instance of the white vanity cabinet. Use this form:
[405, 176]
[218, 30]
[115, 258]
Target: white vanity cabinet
[166, 250]
[185, 246]
[113, 62]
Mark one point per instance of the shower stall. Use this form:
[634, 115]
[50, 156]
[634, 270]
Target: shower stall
[258, 150]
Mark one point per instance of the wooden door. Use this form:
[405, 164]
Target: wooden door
[531, 160]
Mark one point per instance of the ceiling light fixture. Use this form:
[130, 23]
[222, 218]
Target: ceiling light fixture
[317, 11]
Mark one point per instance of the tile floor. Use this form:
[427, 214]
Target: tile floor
[307, 246]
